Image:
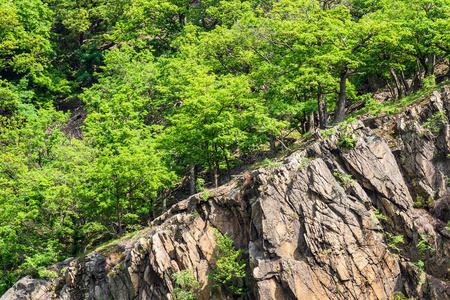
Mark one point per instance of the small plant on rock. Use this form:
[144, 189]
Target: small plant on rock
[328, 132]
[433, 123]
[394, 240]
[400, 296]
[344, 180]
[423, 245]
[186, 285]
[200, 185]
[420, 264]
[346, 139]
[422, 203]
[347, 142]
[303, 162]
[378, 215]
[206, 195]
[447, 179]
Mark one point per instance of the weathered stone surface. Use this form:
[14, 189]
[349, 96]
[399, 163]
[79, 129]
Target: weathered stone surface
[309, 227]
[29, 289]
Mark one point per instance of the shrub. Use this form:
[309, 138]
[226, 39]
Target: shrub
[200, 185]
[347, 142]
[422, 203]
[328, 132]
[429, 81]
[229, 271]
[186, 285]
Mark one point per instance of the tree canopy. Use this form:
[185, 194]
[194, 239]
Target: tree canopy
[175, 89]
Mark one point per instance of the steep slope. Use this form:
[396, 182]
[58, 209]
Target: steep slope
[311, 231]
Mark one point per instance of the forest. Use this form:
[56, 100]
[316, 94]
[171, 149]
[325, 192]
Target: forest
[174, 93]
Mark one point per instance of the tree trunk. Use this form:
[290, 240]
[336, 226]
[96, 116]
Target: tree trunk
[228, 167]
[216, 175]
[273, 149]
[130, 196]
[192, 178]
[432, 60]
[340, 110]
[211, 171]
[216, 167]
[391, 88]
[152, 214]
[119, 215]
[311, 122]
[397, 84]
[322, 105]
[417, 83]
[423, 62]
[405, 83]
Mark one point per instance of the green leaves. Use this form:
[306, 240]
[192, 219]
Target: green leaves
[229, 271]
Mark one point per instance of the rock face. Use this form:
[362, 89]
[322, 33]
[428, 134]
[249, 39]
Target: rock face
[322, 226]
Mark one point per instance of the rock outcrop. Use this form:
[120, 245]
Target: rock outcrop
[327, 224]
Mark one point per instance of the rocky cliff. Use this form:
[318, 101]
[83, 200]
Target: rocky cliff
[327, 224]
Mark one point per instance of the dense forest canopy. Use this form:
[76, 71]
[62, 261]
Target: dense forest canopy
[172, 87]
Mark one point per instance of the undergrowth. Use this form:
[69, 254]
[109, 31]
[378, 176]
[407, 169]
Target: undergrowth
[377, 108]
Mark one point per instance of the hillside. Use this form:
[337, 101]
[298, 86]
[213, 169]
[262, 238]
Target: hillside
[114, 111]
[360, 212]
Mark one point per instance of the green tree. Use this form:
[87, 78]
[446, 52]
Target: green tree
[229, 271]
[40, 172]
[123, 182]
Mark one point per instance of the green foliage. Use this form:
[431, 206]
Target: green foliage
[228, 271]
[346, 139]
[347, 142]
[200, 185]
[40, 171]
[420, 264]
[378, 215]
[206, 195]
[303, 162]
[170, 83]
[429, 82]
[186, 285]
[400, 296]
[328, 132]
[344, 180]
[422, 203]
[423, 245]
[269, 163]
[434, 123]
[394, 240]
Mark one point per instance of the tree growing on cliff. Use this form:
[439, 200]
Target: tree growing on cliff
[229, 271]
